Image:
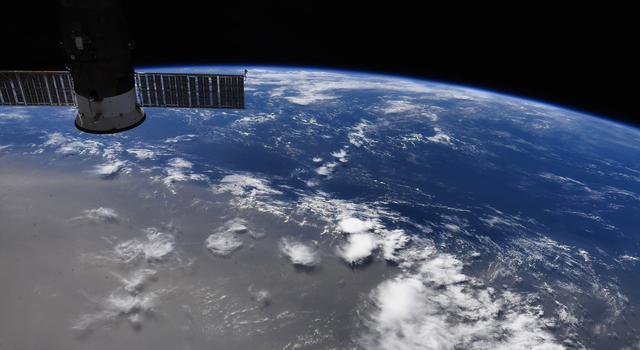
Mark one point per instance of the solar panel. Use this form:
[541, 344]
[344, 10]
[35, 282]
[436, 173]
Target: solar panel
[152, 89]
[36, 88]
[190, 90]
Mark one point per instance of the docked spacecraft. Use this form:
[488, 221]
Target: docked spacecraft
[101, 81]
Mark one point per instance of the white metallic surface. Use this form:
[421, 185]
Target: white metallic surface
[112, 114]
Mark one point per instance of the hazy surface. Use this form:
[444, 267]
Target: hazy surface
[337, 211]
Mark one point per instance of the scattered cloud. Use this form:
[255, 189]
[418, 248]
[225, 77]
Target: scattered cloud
[142, 153]
[67, 145]
[179, 170]
[225, 240]
[440, 137]
[358, 248]
[223, 243]
[15, 115]
[354, 225]
[326, 169]
[109, 169]
[299, 253]
[438, 307]
[156, 247]
[358, 135]
[340, 155]
[181, 138]
[100, 214]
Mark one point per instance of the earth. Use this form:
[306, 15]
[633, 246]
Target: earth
[339, 210]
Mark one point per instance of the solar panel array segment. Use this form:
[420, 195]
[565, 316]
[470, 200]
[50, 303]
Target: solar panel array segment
[29, 88]
[152, 89]
[190, 90]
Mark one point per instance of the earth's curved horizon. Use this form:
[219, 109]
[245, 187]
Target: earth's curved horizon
[339, 210]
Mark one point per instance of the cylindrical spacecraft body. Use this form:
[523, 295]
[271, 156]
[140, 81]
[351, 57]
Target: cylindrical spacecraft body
[96, 41]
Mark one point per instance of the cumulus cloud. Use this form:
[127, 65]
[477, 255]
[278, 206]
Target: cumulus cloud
[400, 106]
[358, 248]
[239, 185]
[255, 119]
[101, 214]
[136, 282]
[181, 138]
[354, 225]
[309, 87]
[358, 135]
[67, 145]
[14, 115]
[109, 169]
[299, 253]
[118, 306]
[250, 191]
[179, 170]
[79, 147]
[391, 242]
[440, 137]
[340, 155]
[438, 307]
[157, 247]
[326, 169]
[223, 243]
[629, 258]
[142, 153]
[225, 240]
[237, 225]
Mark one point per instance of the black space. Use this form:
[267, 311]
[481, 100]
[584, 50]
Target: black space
[583, 57]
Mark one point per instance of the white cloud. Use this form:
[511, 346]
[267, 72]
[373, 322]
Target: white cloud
[326, 169]
[299, 253]
[179, 170]
[223, 243]
[181, 138]
[14, 115]
[340, 155]
[253, 192]
[240, 185]
[225, 240]
[101, 214]
[584, 254]
[354, 225]
[359, 246]
[137, 281]
[256, 119]
[317, 159]
[108, 169]
[400, 106]
[391, 242]
[629, 258]
[440, 137]
[142, 153]
[305, 87]
[67, 145]
[437, 307]
[237, 225]
[79, 147]
[117, 306]
[358, 136]
[55, 139]
[157, 246]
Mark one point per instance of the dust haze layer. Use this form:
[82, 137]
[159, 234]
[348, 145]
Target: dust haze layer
[338, 210]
